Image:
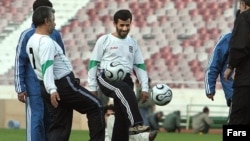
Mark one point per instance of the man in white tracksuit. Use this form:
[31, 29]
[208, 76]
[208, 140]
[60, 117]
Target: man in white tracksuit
[61, 90]
[119, 46]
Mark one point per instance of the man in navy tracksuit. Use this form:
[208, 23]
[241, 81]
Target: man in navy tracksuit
[27, 85]
[216, 67]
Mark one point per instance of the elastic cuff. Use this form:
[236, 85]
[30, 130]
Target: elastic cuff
[52, 91]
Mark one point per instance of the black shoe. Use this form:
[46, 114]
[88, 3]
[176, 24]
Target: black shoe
[152, 135]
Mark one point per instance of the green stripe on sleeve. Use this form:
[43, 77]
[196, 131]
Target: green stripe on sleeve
[46, 65]
[141, 66]
[92, 64]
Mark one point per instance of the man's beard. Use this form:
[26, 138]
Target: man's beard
[121, 34]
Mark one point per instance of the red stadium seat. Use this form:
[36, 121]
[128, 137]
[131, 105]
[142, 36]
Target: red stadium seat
[184, 31]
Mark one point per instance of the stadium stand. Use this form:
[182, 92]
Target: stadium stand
[175, 35]
[8, 44]
[14, 12]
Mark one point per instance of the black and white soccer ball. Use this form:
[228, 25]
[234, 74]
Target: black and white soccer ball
[161, 94]
[115, 71]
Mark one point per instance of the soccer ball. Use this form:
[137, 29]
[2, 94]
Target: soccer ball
[115, 71]
[161, 94]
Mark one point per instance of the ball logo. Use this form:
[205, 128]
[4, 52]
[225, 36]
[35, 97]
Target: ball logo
[161, 97]
[115, 71]
[120, 73]
[114, 64]
[109, 74]
[161, 94]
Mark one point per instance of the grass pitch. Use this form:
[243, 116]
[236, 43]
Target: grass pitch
[78, 135]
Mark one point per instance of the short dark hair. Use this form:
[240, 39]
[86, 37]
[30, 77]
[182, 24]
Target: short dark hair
[205, 109]
[122, 14]
[247, 2]
[109, 107]
[160, 113]
[40, 14]
[39, 3]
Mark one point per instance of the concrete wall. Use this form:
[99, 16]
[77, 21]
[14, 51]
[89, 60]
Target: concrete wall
[12, 109]
[183, 98]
